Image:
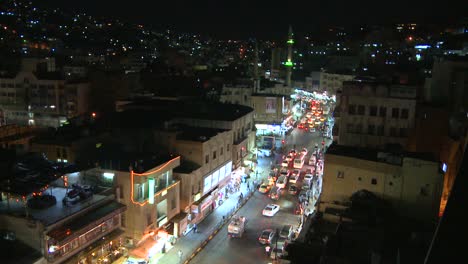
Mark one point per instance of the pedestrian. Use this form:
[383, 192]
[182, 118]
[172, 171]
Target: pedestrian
[267, 250]
[179, 253]
[241, 196]
[195, 228]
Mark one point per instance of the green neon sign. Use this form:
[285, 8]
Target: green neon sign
[290, 41]
[288, 63]
[151, 190]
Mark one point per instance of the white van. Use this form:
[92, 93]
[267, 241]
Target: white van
[281, 182]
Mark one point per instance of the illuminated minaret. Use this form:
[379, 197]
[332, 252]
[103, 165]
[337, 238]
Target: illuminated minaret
[289, 63]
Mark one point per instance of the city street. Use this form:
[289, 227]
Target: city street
[222, 249]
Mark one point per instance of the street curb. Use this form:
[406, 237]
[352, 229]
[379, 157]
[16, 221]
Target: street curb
[213, 234]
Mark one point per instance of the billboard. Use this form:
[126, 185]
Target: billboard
[270, 105]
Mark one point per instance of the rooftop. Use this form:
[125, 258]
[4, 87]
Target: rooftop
[375, 155]
[191, 109]
[49, 215]
[200, 134]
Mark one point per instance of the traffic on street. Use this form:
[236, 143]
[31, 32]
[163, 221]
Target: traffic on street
[289, 183]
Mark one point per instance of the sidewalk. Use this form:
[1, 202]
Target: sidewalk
[190, 243]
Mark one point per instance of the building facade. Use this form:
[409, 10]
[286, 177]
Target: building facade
[325, 81]
[413, 185]
[373, 115]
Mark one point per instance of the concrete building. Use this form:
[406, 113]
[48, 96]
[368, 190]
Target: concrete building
[270, 112]
[39, 96]
[448, 84]
[412, 183]
[151, 195]
[374, 114]
[16, 137]
[327, 81]
[31, 209]
[205, 169]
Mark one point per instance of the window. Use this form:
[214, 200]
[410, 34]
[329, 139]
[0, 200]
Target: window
[58, 153]
[374, 181]
[395, 112]
[214, 154]
[173, 204]
[403, 132]
[380, 130]
[352, 109]
[207, 159]
[404, 113]
[359, 179]
[390, 183]
[383, 111]
[370, 129]
[221, 152]
[340, 175]
[64, 153]
[361, 110]
[373, 111]
[227, 148]
[424, 190]
[358, 128]
[350, 128]
[393, 132]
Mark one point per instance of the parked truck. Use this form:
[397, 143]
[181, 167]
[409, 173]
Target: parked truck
[236, 227]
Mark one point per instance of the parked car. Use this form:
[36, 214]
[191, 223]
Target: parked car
[287, 231]
[266, 237]
[270, 210]
[308, 179]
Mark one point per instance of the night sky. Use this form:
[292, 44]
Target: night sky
[242, 19]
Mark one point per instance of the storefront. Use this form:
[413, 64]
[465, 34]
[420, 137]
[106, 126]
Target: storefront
[153, 247]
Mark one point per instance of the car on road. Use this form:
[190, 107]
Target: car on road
[281, 182]
[275, 193]
[308, 178]
[285, 163]
[312, 159]
[287, 231]
[285, 172]
[296, 172]
[270, 210]
[289, 157]
[266, 237]
[264, 188]
[293, 190]
[304, 150]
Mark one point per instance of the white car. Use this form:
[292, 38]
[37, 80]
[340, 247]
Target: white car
[304, 150]
[270, 210]
[308, 178]
[285, 163]
[289, 157]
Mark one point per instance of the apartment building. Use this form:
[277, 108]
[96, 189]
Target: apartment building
[327, 81]
[40, 97]
[373, 114]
